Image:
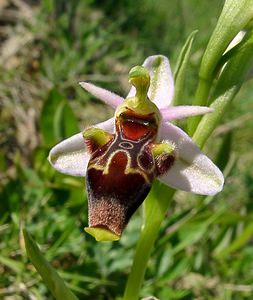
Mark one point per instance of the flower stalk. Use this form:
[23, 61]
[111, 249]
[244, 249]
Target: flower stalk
[156, 206]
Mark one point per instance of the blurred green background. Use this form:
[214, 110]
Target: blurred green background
[205, 247]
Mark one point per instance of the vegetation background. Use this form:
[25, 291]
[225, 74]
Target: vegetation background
[205, 247]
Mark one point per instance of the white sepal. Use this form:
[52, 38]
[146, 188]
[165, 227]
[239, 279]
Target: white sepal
[70, 156]
[192, 171]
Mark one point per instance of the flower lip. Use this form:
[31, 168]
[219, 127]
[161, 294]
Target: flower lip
[102, 234]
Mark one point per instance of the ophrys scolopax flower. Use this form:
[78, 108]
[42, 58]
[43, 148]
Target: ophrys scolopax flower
[122, 156]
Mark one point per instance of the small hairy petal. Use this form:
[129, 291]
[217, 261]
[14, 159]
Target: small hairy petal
[104, 95]
[192, 171]
[180, 112]
[70, 156]
[161, 89]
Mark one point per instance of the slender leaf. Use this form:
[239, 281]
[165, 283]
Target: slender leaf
[15, 266]
[229, 83]
[53, 281]
[223, 155]
[239, 242]
[57, 120]
[235, 16]
[181, 68]
[47, 117]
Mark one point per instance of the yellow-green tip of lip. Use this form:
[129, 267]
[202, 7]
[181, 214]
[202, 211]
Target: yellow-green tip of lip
[102, 234]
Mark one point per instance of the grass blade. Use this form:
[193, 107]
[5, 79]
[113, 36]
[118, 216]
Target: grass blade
[51, 278]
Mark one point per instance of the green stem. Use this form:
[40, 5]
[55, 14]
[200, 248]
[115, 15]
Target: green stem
[157, 204]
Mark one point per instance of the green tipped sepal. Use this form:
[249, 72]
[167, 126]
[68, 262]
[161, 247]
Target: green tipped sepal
[102, 234]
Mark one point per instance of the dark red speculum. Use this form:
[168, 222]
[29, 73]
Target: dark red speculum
[135, 127]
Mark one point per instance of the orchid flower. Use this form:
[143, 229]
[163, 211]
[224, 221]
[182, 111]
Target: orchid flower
[122, 156]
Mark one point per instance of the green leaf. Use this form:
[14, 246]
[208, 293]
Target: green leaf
[47, 117]
[191, 233]
[179, 269]
[165, 263]
[15, 266]
[223, 155]
[53, 281]
[239, 242]
[235, 16]
[65, 123]
[223, 240]
[180, 70]
[57, 120]
[228, 85]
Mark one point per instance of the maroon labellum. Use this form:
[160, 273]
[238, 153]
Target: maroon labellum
[120, 173]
